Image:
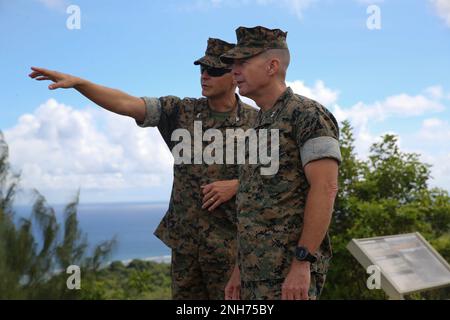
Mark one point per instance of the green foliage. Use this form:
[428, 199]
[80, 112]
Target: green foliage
[138, 280]
[387, 194]
[32, 269]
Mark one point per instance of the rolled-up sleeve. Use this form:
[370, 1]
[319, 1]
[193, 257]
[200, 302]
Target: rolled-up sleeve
[319, 148]
[316, 133]
[152, 112]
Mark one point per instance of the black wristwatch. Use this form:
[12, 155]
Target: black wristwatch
[302, 254]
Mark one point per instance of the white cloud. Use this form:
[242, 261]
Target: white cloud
[433, 137]
[430, 140]
[431, 143]
[441, 171]
[401, 105]
[318, 92]
[60, 148]
[434, 130]
[435, 92]
[442, 8]
[406, 105]
[440, 168]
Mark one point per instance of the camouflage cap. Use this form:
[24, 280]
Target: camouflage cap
[253, 41]
[216, 47]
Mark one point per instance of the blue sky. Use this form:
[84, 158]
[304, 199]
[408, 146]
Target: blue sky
[394, 80]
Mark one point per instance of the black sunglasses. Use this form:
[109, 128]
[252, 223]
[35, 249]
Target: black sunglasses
[214, 72]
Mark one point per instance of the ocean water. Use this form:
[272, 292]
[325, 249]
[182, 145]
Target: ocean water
[133, 225]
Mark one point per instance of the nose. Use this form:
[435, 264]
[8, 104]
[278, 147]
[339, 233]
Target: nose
[235, 69]
[204, 75]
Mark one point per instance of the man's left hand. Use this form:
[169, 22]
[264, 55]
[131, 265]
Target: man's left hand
[218, 192]
[296, 284]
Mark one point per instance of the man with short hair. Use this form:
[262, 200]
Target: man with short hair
[283, 245]
[199, 225]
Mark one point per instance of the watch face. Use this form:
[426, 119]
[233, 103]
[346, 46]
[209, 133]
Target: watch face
[301, 253]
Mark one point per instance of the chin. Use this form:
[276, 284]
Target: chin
[243, 92]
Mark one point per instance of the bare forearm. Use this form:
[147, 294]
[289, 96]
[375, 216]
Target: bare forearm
[112, 99]
[317, 216]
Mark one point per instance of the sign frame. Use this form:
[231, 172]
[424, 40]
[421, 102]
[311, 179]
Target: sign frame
[387, 283]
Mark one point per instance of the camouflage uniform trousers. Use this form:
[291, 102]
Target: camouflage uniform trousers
[194, 280]
[271, 289]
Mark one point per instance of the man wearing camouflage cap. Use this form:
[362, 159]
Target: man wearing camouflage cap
[283, 244]
[200, 224]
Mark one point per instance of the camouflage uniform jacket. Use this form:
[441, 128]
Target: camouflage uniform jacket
[271, 207]
[186, 225]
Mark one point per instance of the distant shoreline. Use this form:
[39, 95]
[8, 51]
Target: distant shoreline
[29, 204]
[130, 222]
[157, 259]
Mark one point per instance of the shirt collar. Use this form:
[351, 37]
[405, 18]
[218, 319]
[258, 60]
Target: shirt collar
[234, 119]
[269, 116]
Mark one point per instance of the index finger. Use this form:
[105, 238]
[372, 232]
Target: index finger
[237, 294]
[283, 293]
[208, 196]
[303, 294]
[215, 205]
[206, 188]
[42, 70]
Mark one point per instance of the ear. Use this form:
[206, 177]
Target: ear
[273, 66]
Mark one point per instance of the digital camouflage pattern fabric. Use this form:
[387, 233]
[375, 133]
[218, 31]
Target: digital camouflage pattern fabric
[215, 48]
[197, 235]
[253, 41]
[272, 289]
[271, 207]
[198, 276]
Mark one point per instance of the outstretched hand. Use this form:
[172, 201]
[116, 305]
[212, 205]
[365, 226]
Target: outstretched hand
[61, 80]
